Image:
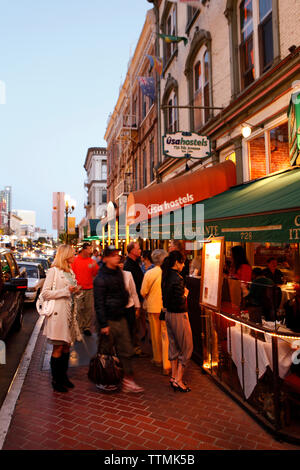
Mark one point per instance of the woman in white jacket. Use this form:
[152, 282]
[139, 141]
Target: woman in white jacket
[61, 326]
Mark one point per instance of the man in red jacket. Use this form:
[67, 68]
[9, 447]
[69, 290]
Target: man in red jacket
[85, 269]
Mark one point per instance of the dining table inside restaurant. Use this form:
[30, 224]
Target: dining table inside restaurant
[241, 345]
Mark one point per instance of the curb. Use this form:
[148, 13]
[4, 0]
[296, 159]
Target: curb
[8, 406]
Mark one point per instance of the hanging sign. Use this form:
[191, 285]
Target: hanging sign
[294, 128]
[186, 144]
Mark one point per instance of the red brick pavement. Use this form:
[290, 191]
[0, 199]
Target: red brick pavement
[159, 419]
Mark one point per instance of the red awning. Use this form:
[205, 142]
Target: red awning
[178, 192]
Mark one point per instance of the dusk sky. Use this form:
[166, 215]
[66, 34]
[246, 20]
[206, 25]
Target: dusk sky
[62, 62]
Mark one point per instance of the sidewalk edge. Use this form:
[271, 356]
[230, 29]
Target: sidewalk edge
[8, 406]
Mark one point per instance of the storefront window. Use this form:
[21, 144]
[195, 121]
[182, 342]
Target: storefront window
[279, 148]
[231, 157]
[269, 158]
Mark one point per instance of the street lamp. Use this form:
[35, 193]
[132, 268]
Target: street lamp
[69, 208]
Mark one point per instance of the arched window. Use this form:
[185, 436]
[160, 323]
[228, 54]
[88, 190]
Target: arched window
[201, 88]
[169, 103]
[172, 113]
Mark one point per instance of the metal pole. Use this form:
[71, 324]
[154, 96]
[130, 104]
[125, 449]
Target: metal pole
[67, 238]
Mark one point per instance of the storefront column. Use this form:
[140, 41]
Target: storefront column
[239, 159]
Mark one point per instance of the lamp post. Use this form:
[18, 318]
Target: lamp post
[69, 208]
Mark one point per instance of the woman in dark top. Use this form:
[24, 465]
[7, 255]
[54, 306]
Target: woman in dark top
[178, 326]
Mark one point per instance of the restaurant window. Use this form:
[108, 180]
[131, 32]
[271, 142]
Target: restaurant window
[231, 157]
[279, 148]
[269, 152]
[201, 88]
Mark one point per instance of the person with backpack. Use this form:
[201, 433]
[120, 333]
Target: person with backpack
[111, 299]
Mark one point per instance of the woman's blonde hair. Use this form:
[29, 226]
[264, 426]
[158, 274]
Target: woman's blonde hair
[63, 253]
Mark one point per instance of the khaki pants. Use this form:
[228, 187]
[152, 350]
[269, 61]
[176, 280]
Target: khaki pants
[159, 339]
[85, 309]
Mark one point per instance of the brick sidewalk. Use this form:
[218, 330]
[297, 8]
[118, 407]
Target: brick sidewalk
[159, 419]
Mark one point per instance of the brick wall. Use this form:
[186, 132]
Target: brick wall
[289, 21]
[257, 157]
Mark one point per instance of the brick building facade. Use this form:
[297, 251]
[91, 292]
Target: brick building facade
[239, 62]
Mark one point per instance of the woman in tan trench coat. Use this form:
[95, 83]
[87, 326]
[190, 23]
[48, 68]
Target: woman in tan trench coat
[61, 326]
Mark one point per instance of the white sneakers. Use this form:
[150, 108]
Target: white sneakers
[106, 388]
[129, 386]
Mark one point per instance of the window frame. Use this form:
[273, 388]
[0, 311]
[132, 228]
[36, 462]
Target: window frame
[172, 126]
[204, 86]
[169, 26]
[256, 36]
[246, 151]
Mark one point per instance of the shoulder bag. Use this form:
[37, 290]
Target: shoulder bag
[46, 307]
[105, 368]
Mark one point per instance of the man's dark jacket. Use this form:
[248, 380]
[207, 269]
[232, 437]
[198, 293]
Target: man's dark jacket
[110, 295]
[137, 274]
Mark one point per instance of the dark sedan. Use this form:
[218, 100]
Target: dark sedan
[13, 285]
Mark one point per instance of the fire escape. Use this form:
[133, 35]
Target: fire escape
[126, 138]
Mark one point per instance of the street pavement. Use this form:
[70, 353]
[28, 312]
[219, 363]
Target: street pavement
[159, 419]
[15, 344]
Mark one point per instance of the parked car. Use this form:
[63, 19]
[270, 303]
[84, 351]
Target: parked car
[36, 277]
[13, 284]
[43, 261]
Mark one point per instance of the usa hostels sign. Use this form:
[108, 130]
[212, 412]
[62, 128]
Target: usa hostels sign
[186, 144]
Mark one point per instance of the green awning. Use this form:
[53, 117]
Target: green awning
[95, 227]
[264, 210]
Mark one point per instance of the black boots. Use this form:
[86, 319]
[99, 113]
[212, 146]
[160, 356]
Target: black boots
[59, 367]
[57, 374]
[65, 361]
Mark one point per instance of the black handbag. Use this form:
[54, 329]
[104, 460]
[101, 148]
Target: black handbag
[105, 368]
[162, 315]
